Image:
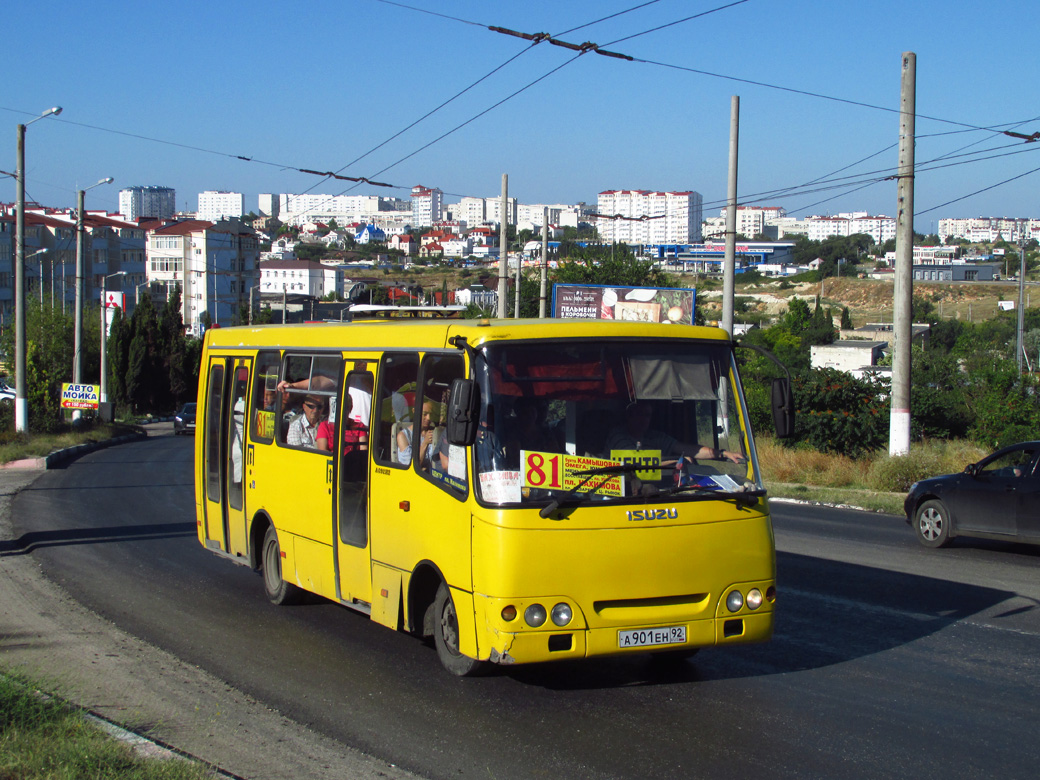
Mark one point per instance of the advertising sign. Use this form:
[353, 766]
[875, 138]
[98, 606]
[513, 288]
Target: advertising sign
[555, 471]
[634, 304]
[79, 396]
[113, 300]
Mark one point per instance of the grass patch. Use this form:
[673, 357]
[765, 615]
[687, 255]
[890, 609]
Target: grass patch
[877, 481]
[42, 738]
[16, 446]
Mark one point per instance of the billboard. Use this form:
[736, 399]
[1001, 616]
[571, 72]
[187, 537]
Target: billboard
[634, 304]
[79, 396]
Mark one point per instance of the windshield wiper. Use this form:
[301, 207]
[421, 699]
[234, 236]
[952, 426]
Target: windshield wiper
[619, 468]
[740, 494]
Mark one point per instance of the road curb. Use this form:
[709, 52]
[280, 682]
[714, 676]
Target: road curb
[60, 457]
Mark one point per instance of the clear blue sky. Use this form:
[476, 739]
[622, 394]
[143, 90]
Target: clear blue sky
[318, 84]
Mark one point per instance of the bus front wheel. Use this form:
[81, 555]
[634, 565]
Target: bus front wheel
[278, 590]
[446, 636]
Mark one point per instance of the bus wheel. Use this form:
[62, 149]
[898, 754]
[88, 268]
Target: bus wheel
[446, 636]
[278, 590]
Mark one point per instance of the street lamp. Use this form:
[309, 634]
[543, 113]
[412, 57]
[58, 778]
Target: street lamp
[104, 333]
[77, 349]
[137, 293]
[21, 404]
[30, 257]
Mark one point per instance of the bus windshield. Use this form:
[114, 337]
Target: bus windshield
[611, 421]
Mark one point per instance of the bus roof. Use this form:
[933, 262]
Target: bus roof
[431, 333]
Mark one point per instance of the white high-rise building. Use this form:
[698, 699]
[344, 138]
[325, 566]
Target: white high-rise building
[987, 229]
[268, 204]
[345, 209]
[426, 206]
[148, 202]
[880, 228]
[215, 206]
[646, 217]
[214, 266]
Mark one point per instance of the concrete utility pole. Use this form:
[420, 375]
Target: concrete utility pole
[503, 253]
[545, 262]
[1020, 341]
[519, 266]
[77, 347]
[902, 321]
[729, 263]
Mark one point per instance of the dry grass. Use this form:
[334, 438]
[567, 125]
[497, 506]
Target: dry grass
[876, 482]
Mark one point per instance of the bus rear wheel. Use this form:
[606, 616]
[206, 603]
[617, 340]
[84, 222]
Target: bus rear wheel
[278, 590]
[446, 636]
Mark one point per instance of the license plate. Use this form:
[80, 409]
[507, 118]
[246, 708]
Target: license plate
[648, 637]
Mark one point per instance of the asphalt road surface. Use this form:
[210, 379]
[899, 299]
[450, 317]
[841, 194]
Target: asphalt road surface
[889, 660]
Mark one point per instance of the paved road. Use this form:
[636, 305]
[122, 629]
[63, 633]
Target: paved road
[889, 659]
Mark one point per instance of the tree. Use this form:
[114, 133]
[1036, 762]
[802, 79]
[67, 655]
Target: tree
[846, 319]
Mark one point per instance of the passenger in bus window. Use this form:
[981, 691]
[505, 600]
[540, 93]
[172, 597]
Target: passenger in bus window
[636, 434]
[426, 437]
[355, 435]
[529, 431]
[303, 431]
[360, 390]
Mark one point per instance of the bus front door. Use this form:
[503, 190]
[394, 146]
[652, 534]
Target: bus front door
[353, 550]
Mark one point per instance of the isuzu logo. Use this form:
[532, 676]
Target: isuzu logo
[639, 515]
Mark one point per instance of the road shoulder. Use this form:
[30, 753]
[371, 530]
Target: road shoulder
[47, 636]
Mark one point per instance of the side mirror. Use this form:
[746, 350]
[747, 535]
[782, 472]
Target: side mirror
[463, 412]
[972, 469]
[783, 408]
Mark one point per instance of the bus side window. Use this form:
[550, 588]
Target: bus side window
[392, 416]
[444, 463]
[308, 395]
[265, 399]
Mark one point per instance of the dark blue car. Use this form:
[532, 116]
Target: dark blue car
[184, 420]
[996, 498]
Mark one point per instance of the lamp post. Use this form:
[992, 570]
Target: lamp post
[21, 404]
[77, 349]
[137, 293]
[39, 252]
[103, 396]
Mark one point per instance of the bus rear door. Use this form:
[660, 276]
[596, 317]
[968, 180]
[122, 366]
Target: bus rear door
[224, 453]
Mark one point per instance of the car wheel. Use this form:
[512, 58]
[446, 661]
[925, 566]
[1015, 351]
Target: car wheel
[278, 590]
[446, 636]
[932, 523]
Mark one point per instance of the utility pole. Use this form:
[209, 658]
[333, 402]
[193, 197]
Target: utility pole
[545, 261]
[902, 324]
[519, 267]
[503, 253]
[1020, 341]
[730, 260]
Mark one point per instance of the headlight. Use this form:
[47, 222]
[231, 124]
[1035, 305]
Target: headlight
[535, 615]
[913, 487]
[754, 598]
[561, 614]
[734, 601]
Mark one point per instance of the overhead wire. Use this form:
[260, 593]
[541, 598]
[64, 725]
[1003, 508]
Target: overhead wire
[583, 48]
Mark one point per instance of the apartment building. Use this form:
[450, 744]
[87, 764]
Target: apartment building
[989, 229]
[111, 246]
[151, 202]
[314, 207]
[217, 205]
[214, 265]
[649, 217]
[880, 228]
[427, 205]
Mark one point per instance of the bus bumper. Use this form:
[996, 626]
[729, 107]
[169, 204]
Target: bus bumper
[561, 644]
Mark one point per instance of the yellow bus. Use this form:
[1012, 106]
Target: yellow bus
[517, 490]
